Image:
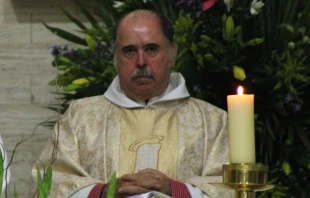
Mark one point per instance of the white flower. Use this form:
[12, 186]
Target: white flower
[256, 7]
[229, 4]
[118, 4]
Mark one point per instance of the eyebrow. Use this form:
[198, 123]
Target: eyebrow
[152, 45]
[128, 47]
[134, 47]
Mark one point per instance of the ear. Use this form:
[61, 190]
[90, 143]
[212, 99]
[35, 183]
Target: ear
[115, 62]
[174, 55]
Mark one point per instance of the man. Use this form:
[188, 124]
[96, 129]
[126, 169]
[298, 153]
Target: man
[146, 127]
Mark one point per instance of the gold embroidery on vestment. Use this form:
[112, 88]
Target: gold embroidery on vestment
[145, 136]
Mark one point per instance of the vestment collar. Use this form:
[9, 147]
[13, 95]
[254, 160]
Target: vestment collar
[175, 92]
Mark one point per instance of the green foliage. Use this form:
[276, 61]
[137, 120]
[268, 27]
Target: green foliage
[93, 62]
[44, 186]
[112, 186]
[267, 53]
[278, 191]
[202, 59]
[289, 70]
[15, 192]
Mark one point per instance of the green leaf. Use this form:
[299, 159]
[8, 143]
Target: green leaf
[66, 35]
[112, 186]
[255, 41]
[293, 11]
[290, 28]
[287, 10]
[40, 185]
[90, 18]
[229, 28]
[44, 186]
[302, 135]
[160, 7]
[209, 56]
[205, 38]
[74, 20]
[269, 129]
[82, 53]
[239, 72]
[62, 67]
[64, 59]
[224, 18]
[286, 168]
[278, 86]
[90, 41]
[105, 16]
[48, 180]
[237, 30]
[112, 13]
[52, 82]
[304, 17]
[71, 87]
[15, 192]
[81, 81]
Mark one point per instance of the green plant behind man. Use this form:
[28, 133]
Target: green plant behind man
[267, 53]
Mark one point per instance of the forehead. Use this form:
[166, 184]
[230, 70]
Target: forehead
[140, 26]
[141, 14]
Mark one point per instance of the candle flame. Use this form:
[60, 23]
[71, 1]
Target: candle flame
[240, 90]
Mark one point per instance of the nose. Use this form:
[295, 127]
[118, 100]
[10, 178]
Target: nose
[141, 62]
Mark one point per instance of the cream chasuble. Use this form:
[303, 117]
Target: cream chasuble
[182, 137]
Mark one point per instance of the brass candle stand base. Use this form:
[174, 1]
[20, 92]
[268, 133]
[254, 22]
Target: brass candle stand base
[245, 179]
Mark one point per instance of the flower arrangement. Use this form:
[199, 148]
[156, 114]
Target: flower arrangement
[262, 45]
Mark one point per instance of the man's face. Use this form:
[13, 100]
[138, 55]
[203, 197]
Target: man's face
[142, 57]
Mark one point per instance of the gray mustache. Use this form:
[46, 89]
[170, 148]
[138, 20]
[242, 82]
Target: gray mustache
[142, 72]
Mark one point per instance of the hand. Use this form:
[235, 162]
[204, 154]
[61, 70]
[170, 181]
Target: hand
[144, 181]
[125, 188]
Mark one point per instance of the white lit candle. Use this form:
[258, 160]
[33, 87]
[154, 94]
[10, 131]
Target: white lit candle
[241, 127]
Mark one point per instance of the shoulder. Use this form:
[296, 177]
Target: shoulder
[93, 103]
[207, 107]
[90, 100]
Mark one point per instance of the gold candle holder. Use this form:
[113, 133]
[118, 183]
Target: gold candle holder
[245, 179]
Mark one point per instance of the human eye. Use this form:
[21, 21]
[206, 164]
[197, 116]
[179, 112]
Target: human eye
[129, 51]
[152, 49]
